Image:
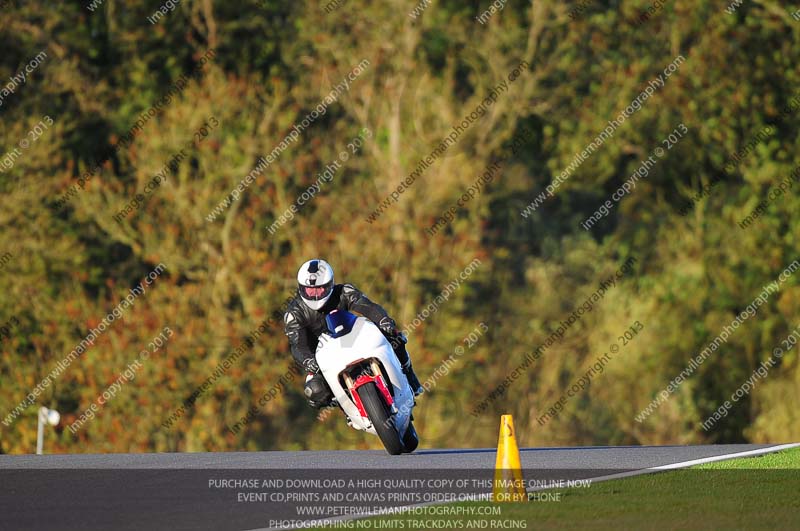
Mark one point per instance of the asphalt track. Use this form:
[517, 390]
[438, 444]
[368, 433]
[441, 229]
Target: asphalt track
[187, 491]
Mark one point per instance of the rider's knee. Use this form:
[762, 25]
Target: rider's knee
[317, 391]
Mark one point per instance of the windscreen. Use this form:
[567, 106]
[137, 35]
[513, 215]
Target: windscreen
[340, 322]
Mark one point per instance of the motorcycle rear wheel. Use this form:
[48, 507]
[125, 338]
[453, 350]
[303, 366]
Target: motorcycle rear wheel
[410, 439]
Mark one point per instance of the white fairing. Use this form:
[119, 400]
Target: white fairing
[365, 341]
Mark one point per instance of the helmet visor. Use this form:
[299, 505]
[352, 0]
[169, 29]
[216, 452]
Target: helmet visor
[315, 293]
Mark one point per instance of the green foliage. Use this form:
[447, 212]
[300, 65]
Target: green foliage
[274, 63]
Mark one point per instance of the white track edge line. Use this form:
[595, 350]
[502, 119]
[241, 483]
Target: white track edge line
[701, 461]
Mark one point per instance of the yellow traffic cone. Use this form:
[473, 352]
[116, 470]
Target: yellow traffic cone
[508, 483]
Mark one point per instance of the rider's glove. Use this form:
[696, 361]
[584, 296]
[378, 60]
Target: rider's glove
[310, 365]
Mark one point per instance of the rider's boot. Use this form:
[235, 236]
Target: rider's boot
[412, 379]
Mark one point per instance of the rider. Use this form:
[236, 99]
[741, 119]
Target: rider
[304, 320]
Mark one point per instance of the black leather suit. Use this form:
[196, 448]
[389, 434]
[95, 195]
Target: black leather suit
[303, 326]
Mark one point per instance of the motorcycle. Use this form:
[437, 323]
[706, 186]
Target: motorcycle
[367, 382]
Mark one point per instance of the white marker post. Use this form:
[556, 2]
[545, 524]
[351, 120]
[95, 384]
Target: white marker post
[50, 416]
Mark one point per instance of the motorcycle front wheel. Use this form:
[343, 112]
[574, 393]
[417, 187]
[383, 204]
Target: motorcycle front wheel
[380, 417]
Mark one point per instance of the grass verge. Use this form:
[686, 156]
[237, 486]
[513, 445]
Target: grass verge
[747, 493]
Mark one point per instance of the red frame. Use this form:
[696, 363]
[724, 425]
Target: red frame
[379, 383]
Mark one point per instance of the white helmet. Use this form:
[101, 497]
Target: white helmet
[315, 283]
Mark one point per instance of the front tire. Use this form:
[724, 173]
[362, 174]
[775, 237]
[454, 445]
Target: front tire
[381, 419]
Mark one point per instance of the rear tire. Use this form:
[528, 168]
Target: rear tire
[410, 439]
[381, 419]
